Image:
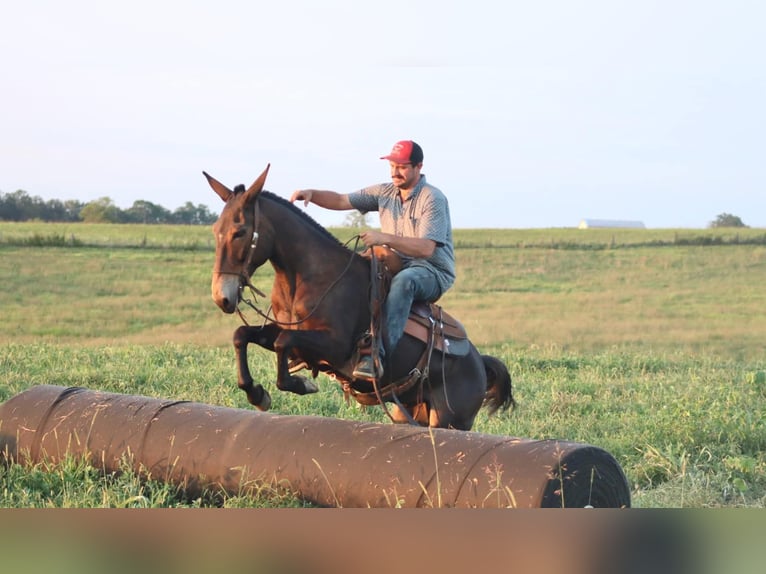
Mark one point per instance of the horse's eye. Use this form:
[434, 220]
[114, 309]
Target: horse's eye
[240, 233]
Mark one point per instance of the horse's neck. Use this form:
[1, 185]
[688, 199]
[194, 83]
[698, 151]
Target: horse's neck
[302, 247]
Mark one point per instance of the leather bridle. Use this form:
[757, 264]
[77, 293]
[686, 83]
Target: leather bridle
[244, 278]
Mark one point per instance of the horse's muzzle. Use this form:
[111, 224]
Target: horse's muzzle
[226, 292]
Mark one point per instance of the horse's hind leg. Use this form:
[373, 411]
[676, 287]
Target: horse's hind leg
[426, 415]
[418, 413]
[448, 420]
[455, 405]
[308, 341]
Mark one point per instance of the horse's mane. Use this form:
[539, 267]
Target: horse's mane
[302, 214]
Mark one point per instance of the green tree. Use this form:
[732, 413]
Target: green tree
[147, 212]
[191, 214]
[16, 206]
[102, 210]
[727, 220]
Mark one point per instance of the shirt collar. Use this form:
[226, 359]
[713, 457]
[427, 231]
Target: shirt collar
[418, 186]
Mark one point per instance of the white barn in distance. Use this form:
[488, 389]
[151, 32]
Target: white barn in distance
[610, 224]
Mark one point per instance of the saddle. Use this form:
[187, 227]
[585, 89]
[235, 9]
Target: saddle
[427, 322]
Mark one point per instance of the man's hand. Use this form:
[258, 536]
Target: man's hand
[322, 198]
[302, 194]
[371, 238]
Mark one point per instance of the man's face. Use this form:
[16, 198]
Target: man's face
[404, 175]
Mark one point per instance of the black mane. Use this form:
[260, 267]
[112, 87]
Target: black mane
[282, 201]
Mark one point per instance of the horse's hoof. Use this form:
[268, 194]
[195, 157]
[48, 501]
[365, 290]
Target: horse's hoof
[311, 386]
[265, 403]
[257, 396]
[298, 385]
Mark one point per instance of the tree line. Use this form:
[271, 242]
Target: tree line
[20, 206]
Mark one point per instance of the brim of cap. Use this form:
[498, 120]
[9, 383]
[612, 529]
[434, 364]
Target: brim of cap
[396, 158]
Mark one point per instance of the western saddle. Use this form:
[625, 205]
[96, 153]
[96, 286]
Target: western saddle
[427, 322]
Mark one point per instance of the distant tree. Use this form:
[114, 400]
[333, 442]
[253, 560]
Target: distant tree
[727, 220]
[9, 210]
[190, 214]
[34, 208]
[355, 219]
[72, 209]
[16, 206]
[102, 210]
[147, 212]
[57, 210]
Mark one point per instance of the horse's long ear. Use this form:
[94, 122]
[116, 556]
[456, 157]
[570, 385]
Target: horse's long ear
[257, 186]
[223, 191]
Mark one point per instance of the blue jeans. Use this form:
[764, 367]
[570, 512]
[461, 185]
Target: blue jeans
[410, 284]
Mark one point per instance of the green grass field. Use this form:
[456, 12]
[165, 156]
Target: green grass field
[650, 344]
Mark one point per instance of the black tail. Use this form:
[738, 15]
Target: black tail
[499, 387]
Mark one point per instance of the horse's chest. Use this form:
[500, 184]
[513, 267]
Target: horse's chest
[296, 315]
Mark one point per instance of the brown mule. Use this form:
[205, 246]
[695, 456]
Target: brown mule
[320, 310]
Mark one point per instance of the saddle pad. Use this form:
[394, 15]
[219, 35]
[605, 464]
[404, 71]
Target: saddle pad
[422, 313]
[450, 336]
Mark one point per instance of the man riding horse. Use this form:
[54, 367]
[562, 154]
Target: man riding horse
[415, 223]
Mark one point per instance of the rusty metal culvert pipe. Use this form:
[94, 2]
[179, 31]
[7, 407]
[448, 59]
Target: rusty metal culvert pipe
[328, 462]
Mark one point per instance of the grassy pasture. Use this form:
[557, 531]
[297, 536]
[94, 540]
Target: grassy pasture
[648, 343]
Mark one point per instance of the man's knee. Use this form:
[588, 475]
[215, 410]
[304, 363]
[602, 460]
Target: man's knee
[403, 285]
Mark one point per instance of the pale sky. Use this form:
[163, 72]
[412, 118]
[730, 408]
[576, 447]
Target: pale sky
[531, 114]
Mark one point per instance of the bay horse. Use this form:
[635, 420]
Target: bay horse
[321, 308]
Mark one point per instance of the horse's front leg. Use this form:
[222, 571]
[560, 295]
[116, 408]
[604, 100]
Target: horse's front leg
[265, 337]
[312, 346]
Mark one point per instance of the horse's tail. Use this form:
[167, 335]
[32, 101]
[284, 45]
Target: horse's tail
[499, 387]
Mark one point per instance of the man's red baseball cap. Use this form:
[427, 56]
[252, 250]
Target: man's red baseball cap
[405, 151]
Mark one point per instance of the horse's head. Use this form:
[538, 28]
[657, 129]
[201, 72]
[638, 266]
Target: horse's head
[236, 241]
